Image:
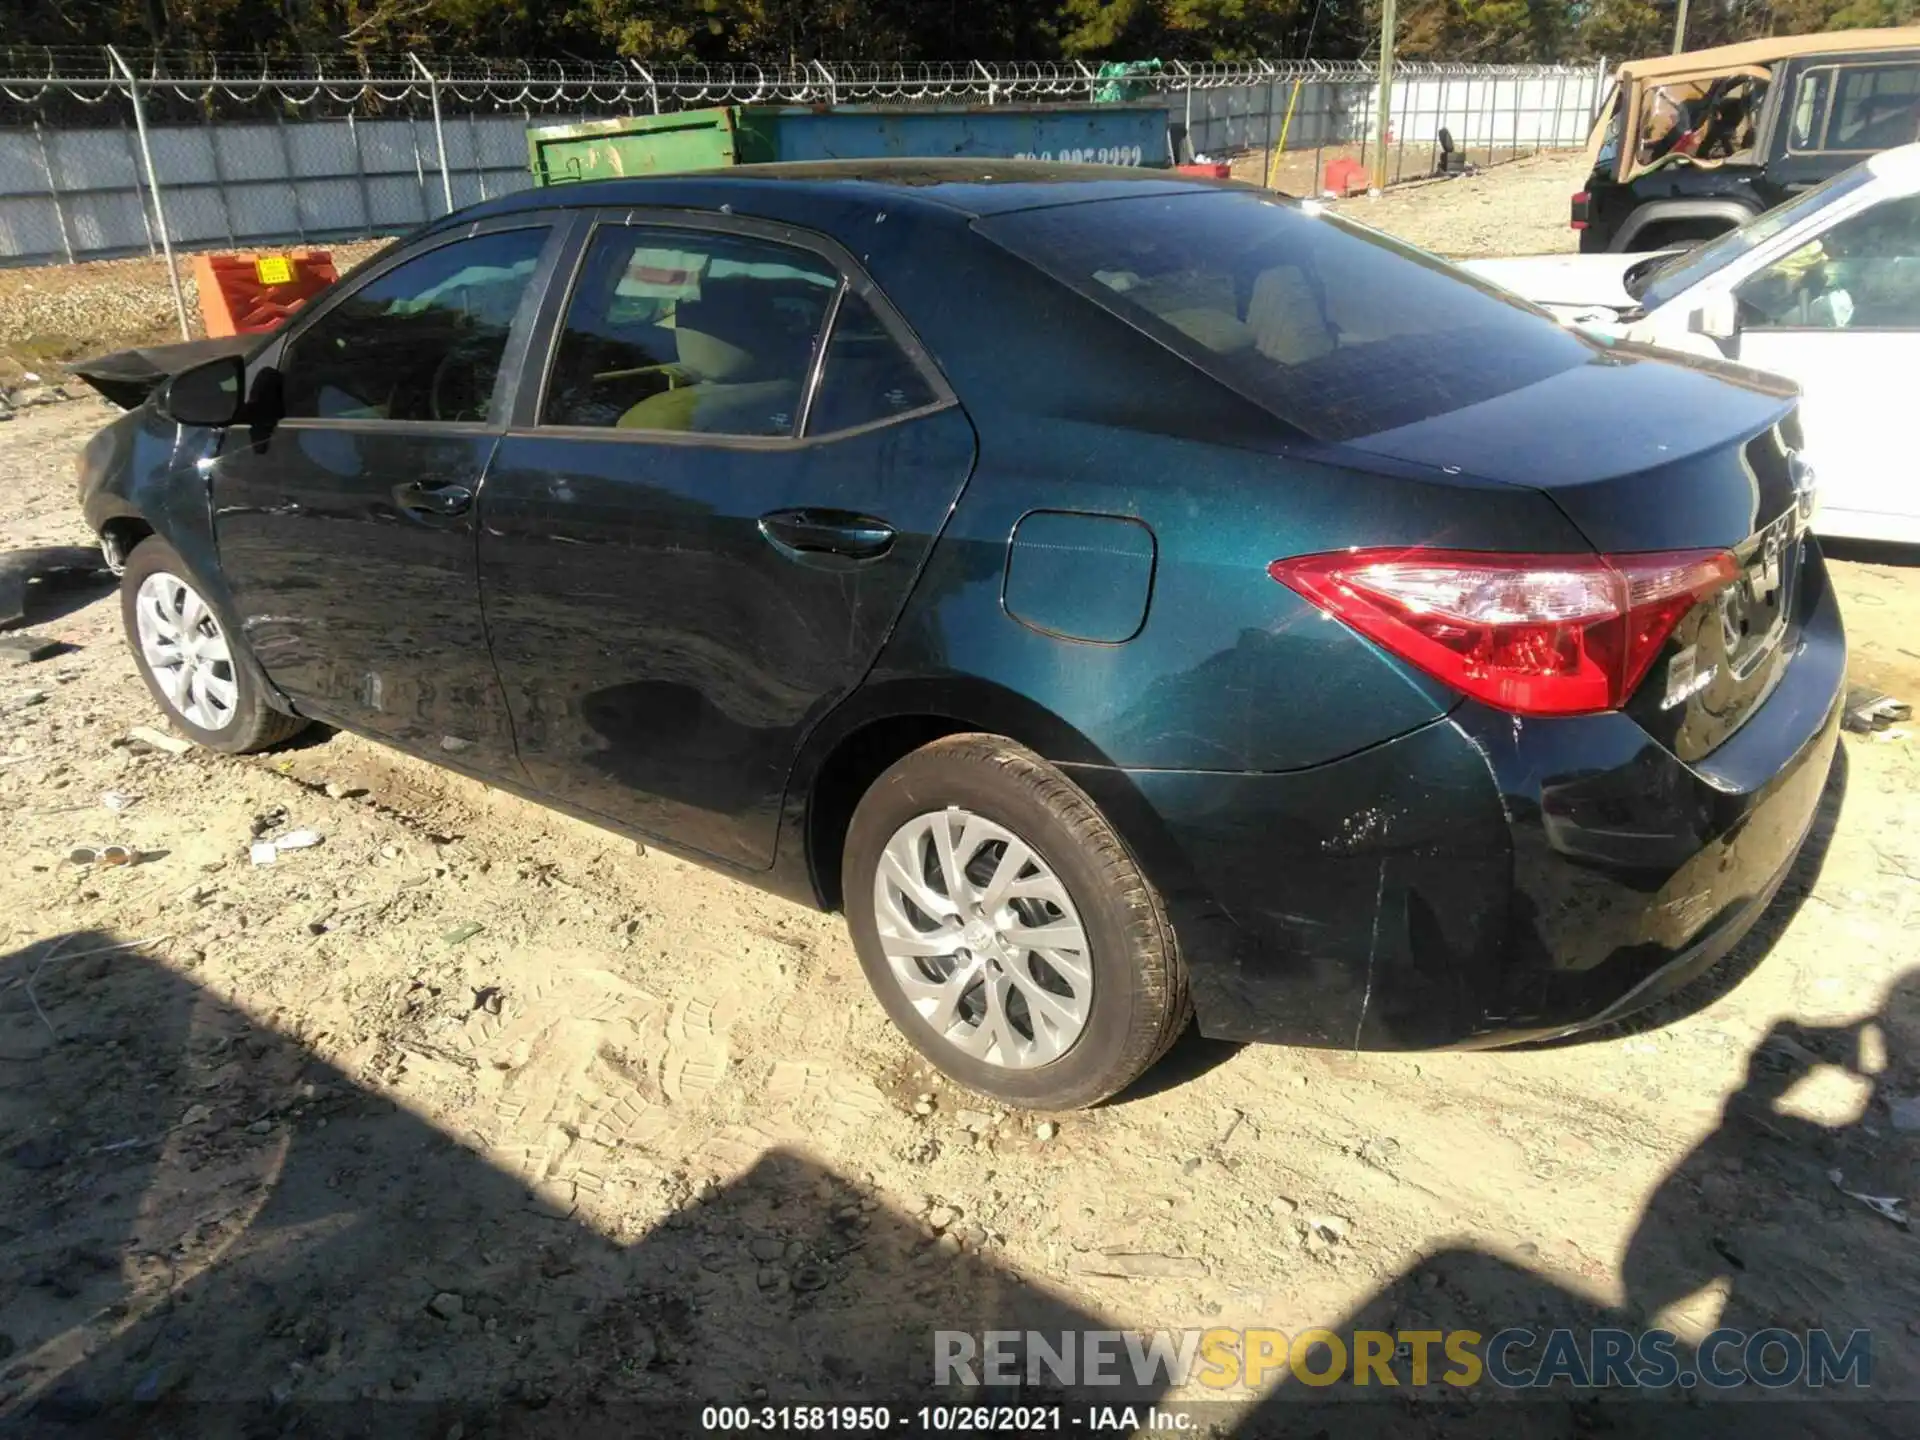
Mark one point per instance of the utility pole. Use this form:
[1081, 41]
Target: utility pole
[1387, 19]
[1680, 28]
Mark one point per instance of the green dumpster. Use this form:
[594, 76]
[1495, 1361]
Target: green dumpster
[1123, 134]
[635, 145]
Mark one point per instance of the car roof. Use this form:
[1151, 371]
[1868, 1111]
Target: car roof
[1774, 47]
[1900, 165]
[963, 187]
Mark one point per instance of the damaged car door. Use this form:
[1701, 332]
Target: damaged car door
[344, 518]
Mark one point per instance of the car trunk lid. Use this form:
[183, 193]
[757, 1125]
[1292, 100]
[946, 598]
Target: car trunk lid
[1645, 452]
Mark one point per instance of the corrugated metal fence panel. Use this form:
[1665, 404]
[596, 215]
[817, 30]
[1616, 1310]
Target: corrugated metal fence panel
[387, 147]
[22, 171]
[249, 152]
[111, 222]
[238, 184]
[93, 159]
[30, 226]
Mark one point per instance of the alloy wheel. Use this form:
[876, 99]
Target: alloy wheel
[983, 939]
[185, 650]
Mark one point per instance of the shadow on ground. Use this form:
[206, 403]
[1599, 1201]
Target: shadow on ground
[44, 583]
[209, 1232]
[1751, 1231]
[1871, 552]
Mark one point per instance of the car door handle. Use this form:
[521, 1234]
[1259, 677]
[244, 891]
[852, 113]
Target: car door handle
[801, 533]
[418, 499]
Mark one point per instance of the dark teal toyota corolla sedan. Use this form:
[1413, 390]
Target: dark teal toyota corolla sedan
[1126, 597]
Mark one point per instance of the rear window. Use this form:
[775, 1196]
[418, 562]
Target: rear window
[1335, 328]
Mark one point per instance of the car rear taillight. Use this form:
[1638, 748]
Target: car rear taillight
[1530, 634]
[1581, 200]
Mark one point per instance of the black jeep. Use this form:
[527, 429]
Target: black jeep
[1720, 135]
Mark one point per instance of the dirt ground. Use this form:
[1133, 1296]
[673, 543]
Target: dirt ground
[475, 1108]
[1517, 207]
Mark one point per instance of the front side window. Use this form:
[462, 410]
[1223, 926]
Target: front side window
[1336, 329]
[689, 331]
[422, 342]
[1863, 274]
[1809, 109]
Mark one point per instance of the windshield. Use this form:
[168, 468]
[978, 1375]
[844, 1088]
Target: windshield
[1333, 327]
[1689, 268]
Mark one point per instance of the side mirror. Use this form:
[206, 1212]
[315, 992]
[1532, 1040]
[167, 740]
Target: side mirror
[1717, 318]
[208, 394]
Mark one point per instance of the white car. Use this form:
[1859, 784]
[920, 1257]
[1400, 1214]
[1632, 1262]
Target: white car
[1824, 290]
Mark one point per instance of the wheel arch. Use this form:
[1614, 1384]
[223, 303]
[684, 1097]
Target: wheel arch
[119, 533]
[881, 724]
[1662, 212]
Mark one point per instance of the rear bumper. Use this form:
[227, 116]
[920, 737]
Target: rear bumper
[1482, 880]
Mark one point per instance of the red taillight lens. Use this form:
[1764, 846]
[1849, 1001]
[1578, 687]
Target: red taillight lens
[1580, 201]
[1531, 634]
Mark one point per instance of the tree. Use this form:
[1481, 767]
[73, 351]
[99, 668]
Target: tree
[799, 30]
[1536, 31]
[1179, 29]
[1626, 28]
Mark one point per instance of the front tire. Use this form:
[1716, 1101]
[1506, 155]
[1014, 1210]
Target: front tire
[202, 676]
[1005, 928]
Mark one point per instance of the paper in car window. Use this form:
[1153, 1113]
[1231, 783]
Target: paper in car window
[658, 274]
[661, 275]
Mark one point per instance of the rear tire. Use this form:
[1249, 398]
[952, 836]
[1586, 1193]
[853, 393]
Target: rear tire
[201, 674]
[1050, 978]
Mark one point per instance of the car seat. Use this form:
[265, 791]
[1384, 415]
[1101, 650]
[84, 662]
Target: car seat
[740, 370]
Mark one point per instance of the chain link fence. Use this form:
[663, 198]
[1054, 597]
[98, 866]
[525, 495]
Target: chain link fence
[1304, 116]
[105, 155]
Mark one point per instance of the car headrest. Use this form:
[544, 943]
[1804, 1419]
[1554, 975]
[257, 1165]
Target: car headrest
[708, 357]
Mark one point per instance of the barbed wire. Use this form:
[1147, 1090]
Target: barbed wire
[34, 77]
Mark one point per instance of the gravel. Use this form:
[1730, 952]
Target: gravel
[1519, 208]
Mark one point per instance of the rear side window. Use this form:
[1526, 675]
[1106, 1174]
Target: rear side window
[1335, 328]
[1875, 108]
[684, 330]
[422, 342]
[867, 378]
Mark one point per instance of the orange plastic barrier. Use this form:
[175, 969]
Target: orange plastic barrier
[1345, 175]
[244, 294]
